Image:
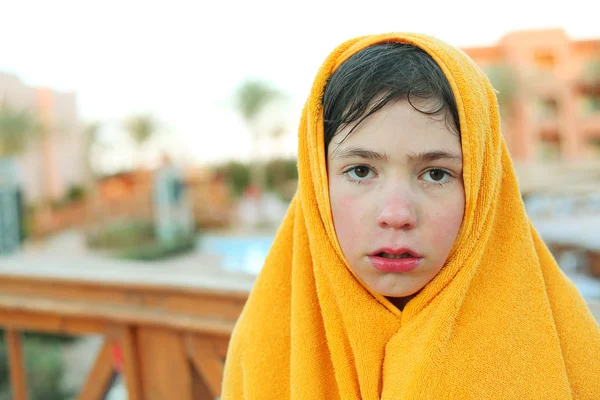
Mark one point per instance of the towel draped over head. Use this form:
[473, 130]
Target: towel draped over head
[500, 320]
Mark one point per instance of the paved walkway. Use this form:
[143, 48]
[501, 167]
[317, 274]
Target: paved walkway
[67, 257]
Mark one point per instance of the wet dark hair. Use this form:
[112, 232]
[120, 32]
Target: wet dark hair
[381, 73]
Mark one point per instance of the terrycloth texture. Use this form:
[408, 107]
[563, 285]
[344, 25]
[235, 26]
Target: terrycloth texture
[500, 321]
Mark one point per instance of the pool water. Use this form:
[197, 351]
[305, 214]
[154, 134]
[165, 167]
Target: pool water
[238, 253]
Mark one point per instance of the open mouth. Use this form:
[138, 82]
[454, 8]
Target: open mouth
[394, 256]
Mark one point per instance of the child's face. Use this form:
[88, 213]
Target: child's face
[396, 187]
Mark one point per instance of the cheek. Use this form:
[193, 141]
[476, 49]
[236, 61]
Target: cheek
[445, 223]
[349, 217]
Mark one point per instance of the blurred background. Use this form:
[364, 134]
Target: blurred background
[155, 139]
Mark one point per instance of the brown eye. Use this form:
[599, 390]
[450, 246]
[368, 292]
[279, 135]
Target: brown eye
[437, 174]
[361, 171]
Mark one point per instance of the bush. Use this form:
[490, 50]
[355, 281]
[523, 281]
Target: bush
[158, 251]
[75, 193]
[278, 173]
[237, 175]
[122, 234]
[43, 364]
[136, 240]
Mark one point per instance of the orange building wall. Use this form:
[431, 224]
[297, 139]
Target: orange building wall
[549, 69]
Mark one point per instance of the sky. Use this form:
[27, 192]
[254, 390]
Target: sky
[182, 61]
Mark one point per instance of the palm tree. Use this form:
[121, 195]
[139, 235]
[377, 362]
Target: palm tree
[91, 137]
[141, 128]
[17, 127]
[252, 98]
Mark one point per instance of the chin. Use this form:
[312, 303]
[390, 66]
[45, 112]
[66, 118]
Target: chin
[396, 293]
[399, 295]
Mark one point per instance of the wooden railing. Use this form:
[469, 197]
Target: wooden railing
[168, 341]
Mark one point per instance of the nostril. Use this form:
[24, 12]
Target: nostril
[397, 216]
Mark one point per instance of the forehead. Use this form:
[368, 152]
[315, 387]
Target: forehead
[399, 128]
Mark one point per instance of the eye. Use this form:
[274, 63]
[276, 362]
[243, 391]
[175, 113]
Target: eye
[436, 175]
[360, 173]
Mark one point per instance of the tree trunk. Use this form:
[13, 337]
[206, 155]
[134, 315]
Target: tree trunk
[257, 167]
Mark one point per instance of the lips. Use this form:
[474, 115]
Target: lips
[394, 256]
[395, 260]
[390, 253]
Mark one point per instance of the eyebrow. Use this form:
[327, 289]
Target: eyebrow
[355, 152]
[427, 156]
[435, 155]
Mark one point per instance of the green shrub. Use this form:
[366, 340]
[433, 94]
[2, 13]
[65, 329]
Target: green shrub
[158, 251]
[280, 171]
[43, 365]
[277, 173]
[121, 235]
[75, 193]
[237, 175]
[136, 240]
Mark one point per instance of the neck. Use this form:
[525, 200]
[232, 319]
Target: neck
[401, 302]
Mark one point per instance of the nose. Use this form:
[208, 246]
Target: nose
[398, 213]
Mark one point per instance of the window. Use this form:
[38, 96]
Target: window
[546, 108]
[544, 60]
[548, 150]
[590, 104]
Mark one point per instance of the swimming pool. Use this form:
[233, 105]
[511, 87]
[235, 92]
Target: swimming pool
[238, 253]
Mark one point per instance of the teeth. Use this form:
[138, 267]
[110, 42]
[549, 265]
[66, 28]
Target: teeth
[395, 256]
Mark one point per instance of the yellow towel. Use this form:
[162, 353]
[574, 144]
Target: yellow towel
[500, 320]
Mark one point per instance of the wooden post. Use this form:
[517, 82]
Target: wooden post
[131, 368]
[207, 362]
[101, 376]
[166, 373]
[18, 380]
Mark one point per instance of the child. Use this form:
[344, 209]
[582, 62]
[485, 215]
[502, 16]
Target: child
[406, 267]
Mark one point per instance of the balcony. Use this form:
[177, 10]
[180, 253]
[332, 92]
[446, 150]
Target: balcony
[587, 126]
[590, 125]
